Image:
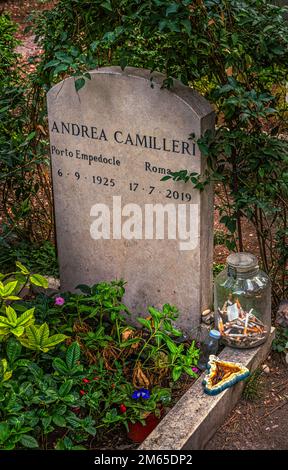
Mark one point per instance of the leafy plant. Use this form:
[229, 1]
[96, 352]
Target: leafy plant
[159, 348]
[67, 444]
[40, 258]
[15, 325]
[10, 436]
[217, 268]
[70, 367]
[111, 374]
[280, 343]
[23, 149]
[5, 374]
[253, 387]
[8, 43]
[13, 283]
[235, 53]
[38, 339]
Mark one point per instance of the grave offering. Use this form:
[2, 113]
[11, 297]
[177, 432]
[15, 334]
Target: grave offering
[243, 302]
[222, 375]
[111, 144]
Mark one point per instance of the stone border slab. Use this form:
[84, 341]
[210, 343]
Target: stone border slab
[196, 416]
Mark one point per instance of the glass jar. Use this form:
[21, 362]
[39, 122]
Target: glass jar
[210, 346]
[242, 302]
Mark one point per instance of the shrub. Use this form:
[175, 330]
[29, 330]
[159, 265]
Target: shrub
[24, 177]
[107, 374]
[233, 52]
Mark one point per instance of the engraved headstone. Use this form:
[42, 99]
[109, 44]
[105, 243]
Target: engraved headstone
[111, 144]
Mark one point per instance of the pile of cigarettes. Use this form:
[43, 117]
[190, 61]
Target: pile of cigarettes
[239, 328]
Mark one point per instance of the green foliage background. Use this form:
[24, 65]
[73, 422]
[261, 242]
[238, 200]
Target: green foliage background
[234, 52]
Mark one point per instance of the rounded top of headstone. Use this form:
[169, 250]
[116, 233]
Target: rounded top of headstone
[242, 262]
[190, 97]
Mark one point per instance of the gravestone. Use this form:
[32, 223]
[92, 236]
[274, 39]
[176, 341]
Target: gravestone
[111, 144]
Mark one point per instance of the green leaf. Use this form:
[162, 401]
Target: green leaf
[13, 349]
[39, 280]
[145, 323]
[189, 371]
[65, 388]
[27, 318]
[22, 268]
[59, 421]
[79, 83]
[60, 68]
[28, 441]
[18, 331]
[73, 355]
[60, 366]
[52, 63]
[172, 8]
[4, 431]
[9, 288]
[11, 315]
[172, 347]
[43, 333]
[107, 5]
[4, 322]
[54, 340]
[12, 297]
[22, 363]
[187, 26]
[176, 372]
[32, 333]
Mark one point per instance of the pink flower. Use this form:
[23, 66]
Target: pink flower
[86, 381]
[59, 300]
[82, 392]
[195, 369]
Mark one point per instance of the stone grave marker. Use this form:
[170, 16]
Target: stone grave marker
[111, 143]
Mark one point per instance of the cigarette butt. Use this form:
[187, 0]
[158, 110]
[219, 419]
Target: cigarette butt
[238, 304]
[220, 326]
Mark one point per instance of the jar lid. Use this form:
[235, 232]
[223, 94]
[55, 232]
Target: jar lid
[215, 334]
[242, 262]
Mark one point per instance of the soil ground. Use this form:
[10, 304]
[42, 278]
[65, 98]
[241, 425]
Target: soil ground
[258, 424]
